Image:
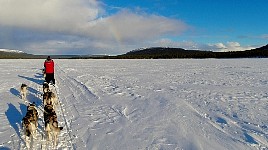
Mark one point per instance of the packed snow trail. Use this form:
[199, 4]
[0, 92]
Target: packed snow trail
[71, 92]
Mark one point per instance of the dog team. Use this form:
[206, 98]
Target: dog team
[30, 120]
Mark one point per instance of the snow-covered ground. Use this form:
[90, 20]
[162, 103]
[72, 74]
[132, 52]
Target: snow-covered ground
[173, 104]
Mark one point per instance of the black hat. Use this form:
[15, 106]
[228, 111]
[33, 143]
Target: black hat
[48, 58]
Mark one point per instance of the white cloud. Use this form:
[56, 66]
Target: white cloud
[191, 45]
[52, 15]
[132, 26]
[217, 46]
[228, 46]
[76, 46]
[49, 24]
[82, 26]
[165, 42]
[83, 18]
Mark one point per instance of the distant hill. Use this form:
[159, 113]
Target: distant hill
[167, 53]
[262, 48]
[12, 54]
[148, 53]
[163, 52]
[16, 54]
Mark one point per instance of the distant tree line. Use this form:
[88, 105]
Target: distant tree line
[152, 53]
[169, 53]
[14, 55]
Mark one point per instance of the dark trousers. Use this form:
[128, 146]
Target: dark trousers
[50, 77]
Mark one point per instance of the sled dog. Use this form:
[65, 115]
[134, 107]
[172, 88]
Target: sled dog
[29, 124]
[50, 98]
[23, 91]
[51, 124]
[31, 110]
[45, 87]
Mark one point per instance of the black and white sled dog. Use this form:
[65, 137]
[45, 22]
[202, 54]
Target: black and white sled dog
[49, 97]
[30, 123]
[51, 124]
[50, 101]
[23, 91]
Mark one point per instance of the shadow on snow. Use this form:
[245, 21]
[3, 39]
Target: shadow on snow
[14, 116]
[31, 96]
[4, 148]
[39, 75]
[15, 92]
[37, 81]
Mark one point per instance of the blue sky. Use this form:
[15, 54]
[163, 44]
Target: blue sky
[118, 26]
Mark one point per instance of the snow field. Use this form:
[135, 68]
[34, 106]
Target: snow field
[143, 104]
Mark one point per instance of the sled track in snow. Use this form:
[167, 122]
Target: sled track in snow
[73, 92]
[67, 136]
[75, 88]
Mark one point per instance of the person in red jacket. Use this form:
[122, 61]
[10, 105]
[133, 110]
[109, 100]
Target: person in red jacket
[49, 70]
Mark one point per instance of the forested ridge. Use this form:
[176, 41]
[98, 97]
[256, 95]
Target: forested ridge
[160, 52]
[152, 53]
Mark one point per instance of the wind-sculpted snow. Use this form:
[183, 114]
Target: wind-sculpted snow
[142, 104]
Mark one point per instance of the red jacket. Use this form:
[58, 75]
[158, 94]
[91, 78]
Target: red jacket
[49, 66]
